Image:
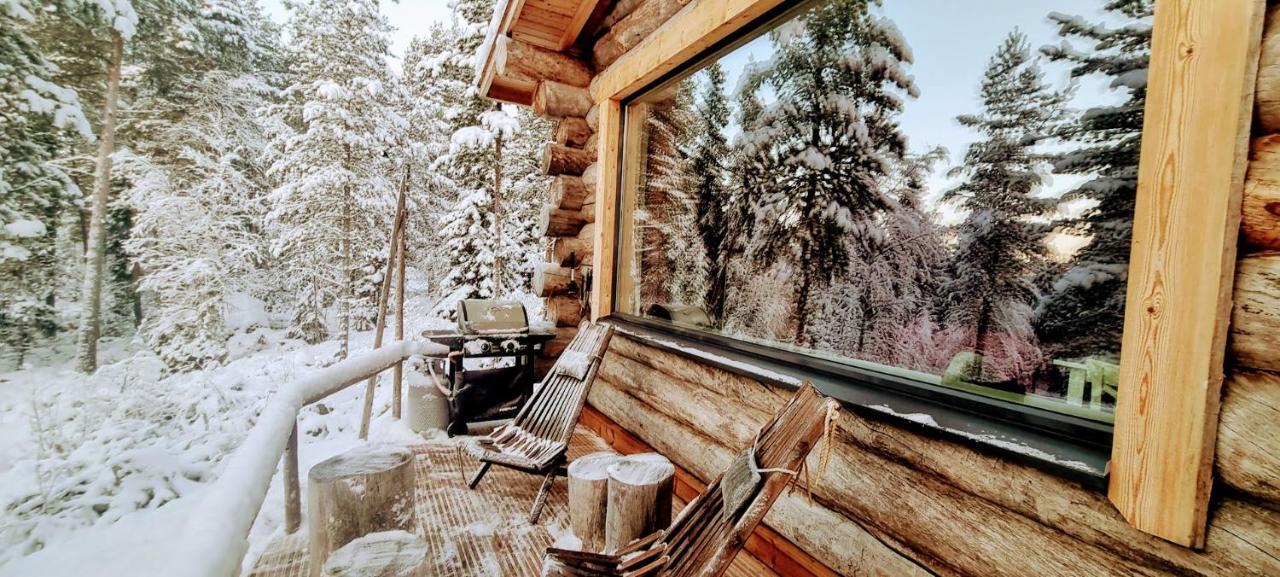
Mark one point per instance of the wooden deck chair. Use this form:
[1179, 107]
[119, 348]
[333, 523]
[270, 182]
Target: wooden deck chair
[704, 538]
[536, 440]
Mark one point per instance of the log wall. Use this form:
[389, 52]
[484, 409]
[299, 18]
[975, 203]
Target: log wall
[894, 502]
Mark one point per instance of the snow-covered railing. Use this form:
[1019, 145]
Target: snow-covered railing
[216, 535]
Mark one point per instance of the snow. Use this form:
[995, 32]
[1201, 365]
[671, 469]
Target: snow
[131, 453]
[735, 365]
[470, 137]
[989, 439]
[641, 469]
[372, 554]
[593, 465]
[574, 363]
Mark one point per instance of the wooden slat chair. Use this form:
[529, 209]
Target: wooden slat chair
[703, 540]
[537, 439]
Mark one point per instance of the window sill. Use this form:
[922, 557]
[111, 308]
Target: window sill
[1055, 451]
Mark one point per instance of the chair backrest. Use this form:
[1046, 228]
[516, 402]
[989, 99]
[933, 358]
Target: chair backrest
[553, 411]
[703, 540]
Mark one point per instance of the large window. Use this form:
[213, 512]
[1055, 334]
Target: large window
[938, 190]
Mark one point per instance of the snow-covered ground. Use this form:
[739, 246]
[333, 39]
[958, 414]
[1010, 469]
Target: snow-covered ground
[94, 463]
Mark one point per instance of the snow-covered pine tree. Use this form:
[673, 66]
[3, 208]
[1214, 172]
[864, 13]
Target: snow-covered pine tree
[121, 21]
[524, 188]
[1083, 311]
[673, 261]
[467, 226]
[891, 290]
[1001, 241]
[201, 193]
[429, 95]
[35, 114]
[838, 73]
[483, 230]
[332, 147]
[708, 154]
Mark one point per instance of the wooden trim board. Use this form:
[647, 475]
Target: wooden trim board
[607, 163]
[766, 545]
[692, 30]
[1194, 151]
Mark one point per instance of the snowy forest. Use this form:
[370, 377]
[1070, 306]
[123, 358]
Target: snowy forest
[793, 207]
[196, 205]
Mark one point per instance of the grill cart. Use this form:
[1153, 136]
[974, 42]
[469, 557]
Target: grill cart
[488, 329]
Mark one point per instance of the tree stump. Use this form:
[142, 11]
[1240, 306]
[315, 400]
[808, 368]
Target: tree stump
[639, 498]
[589, 497]
[385, 554]
[365, 490]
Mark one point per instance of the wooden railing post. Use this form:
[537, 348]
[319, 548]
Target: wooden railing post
[292, 492]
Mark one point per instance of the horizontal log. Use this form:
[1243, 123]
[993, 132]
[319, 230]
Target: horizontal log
[572, 249]
[559, 159]
[592, 144]
[593, 118]
[1255, 320]
[565, 310]
[551, 280]
[629, 31]
[572, 131]
[591, 176]
[556, 100]
[1267, 98]
[824, 534]
[1260, 213]
[557, 345]
[567, 192]
[1248, 457]
[557, 222]
[519, 61]
[618, 11]
[937, 480]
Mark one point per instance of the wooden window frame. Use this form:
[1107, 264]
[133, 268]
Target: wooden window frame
[1194, 152]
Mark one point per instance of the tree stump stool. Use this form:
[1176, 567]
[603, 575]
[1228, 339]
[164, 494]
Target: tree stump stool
[385, 554]
[639, 498]
[589, 497]
[365, 490]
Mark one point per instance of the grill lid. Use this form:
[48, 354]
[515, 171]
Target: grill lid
[490, 316]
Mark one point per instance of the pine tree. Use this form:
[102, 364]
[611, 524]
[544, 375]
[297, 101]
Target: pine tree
[1083, 312]
[36, 114]
[1001, 241]
[428, 95]
[331, 143]
[710, 151]
[893, 285]
[482, 228]
[838, 73]
[200, 192]
[672, 258]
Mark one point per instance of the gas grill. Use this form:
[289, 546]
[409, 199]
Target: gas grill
[477, 390]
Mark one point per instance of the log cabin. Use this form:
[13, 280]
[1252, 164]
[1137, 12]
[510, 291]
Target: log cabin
[1177, 473]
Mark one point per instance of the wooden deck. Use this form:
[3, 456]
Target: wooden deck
[476, 533]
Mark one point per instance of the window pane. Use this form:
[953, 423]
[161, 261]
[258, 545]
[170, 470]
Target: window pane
[860, 183]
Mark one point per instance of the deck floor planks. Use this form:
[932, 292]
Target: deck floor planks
[476, 533]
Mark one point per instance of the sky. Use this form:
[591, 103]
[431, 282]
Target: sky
[409, 17]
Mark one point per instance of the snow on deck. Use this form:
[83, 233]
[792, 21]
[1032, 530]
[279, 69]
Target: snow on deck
[475, 533]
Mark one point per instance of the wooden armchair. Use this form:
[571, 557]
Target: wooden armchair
[704, 539]
[536, 440]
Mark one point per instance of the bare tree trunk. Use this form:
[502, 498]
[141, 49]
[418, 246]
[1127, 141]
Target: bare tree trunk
[346, 264]
[397, 380]
[91, 292]
[497, 216]
[393, 252]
